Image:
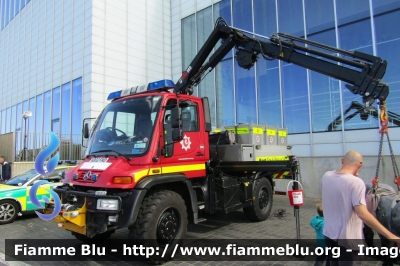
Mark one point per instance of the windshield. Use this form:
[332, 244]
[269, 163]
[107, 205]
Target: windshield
[125, 127]
[22, 178]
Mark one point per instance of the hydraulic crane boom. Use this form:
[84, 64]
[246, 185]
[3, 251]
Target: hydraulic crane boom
[362, 72]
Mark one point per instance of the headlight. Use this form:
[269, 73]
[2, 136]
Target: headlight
[107, 204]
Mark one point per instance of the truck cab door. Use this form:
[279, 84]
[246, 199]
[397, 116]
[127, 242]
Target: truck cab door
[187, 155]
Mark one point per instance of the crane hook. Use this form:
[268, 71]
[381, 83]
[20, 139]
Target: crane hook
[384, 119]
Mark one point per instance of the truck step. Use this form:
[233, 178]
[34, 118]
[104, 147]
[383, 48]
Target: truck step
[201, 205]
[200, 220]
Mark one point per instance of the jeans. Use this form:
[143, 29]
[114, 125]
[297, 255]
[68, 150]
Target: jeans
[345, 259]
[320, 260]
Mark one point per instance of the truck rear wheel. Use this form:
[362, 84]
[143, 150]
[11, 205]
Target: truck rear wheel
[162, 220]
[262, 202]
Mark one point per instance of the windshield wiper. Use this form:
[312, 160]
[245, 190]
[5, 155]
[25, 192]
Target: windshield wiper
[118, 153]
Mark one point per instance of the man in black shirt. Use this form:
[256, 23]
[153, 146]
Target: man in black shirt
[5, 170]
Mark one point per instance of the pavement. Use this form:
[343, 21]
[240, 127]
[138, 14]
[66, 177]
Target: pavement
[220, 226]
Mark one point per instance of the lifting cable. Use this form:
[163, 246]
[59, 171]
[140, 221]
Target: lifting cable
[385, 131]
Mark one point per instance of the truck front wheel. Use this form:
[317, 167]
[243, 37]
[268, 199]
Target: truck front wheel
[162, 219]
[262, 203]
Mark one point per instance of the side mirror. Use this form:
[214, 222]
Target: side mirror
[177, 134]
[176, 119]
[86, 131]
[61, 174]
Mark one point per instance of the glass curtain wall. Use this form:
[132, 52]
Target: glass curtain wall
[293, 78]
[245, 88]
[204, 29]
[8, 125]
[267, 72]
[324, 90]
[10, 9]
[224, 85]
[39, 119]
[53, 110]
[386, 15]
[76, 111]
[354, 17]
[31, 122]
[278, 93]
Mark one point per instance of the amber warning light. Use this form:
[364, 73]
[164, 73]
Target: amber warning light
[122, 180]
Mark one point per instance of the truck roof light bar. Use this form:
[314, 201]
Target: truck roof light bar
[161, 84]
[114, 95]
[157, 85]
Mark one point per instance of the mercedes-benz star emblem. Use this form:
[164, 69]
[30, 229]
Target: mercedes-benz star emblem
[87, 175]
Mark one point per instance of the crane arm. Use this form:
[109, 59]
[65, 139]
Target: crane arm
[362, 72]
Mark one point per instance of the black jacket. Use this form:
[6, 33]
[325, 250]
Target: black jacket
[6, 171]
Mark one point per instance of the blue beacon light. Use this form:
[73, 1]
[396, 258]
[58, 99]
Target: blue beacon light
[165, 83]
[114, 95]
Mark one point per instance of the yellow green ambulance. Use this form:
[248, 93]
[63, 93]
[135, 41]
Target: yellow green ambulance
[14, 194]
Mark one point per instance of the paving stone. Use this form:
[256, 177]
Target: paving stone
[219, 226]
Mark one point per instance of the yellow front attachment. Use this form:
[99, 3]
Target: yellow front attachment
[67, 220]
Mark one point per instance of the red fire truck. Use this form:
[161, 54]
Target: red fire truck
[152, 164]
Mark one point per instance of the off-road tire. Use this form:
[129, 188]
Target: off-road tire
[262, 202]
[101, 236]
[8, 208]
[162, 219]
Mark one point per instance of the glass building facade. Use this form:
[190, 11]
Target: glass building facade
[58, 110]
[10, 9]
[283, 94]
[42, 50]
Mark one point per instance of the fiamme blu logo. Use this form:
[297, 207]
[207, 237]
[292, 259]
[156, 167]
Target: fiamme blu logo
[50, 166]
